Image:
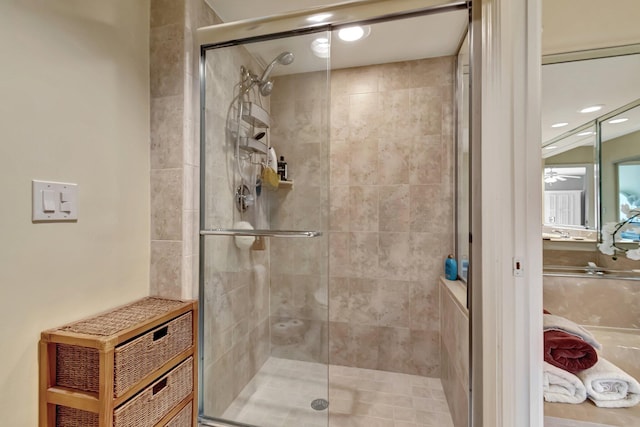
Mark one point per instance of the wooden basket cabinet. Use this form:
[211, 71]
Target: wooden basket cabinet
[135, 365]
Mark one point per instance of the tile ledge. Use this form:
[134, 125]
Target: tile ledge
[458, 292]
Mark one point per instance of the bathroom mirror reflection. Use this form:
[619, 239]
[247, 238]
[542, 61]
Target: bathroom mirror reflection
[578, 88]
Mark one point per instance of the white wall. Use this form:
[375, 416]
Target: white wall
[74, 107]
[601, 23]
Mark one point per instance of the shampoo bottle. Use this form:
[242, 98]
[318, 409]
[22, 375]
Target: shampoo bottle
[282, 169]
[451, 268]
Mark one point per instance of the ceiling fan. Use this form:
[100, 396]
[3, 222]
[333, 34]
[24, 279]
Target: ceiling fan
[551, 176]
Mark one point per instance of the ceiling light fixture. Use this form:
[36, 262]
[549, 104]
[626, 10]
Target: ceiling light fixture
[352, 34]
[559, 125]
[591, 109]
[320, 47]
[620, 120]
[550, 147]
[320, 17]
[587, 133]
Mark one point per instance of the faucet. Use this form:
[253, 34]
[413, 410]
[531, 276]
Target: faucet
[563, 234]
[592, 268]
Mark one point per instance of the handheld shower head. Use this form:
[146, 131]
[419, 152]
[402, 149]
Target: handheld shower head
[266, 85]
[285, 58]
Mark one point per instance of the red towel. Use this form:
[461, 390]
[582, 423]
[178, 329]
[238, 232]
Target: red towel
[568, 352]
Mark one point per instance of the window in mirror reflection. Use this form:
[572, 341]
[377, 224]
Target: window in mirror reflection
[620, 163]
[629, 188]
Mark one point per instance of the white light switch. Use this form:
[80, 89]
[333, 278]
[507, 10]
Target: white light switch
[54, 201]
[65, 207]
[48, 201]
[65, 196]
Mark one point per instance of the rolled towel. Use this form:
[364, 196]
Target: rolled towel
[568, 352]
[609, 386]
[562, 386]
[552, 322]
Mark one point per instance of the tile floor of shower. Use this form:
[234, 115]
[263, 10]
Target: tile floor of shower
[280, 395]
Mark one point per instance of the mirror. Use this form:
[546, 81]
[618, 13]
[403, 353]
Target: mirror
[620, 165]
[570, 186]
[605, 79]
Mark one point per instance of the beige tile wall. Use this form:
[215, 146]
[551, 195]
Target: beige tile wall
[174, 145]
[236, 280]
[455, 352]
[299, 267]
[236, 297]
[391, 216]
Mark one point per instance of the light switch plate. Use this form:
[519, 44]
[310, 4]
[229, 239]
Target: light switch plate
[53, 194]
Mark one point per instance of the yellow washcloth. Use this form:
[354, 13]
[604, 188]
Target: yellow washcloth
[270, 178]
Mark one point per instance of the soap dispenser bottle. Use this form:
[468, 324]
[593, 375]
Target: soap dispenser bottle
[451, 268]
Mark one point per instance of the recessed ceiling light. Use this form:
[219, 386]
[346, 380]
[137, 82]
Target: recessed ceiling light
[620, 120]
[559, 125]
[550, 147]
[351, 34]
[320, 17]
[587, 133]
[320, 47]
[591, 109]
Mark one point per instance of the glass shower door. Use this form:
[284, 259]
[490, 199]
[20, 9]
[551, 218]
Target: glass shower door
[264, 257]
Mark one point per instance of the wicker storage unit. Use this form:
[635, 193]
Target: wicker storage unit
[184, 417]
[134, 366]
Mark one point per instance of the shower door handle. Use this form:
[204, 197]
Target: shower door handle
[260, 233]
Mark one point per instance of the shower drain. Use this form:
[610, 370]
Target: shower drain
[320, 404]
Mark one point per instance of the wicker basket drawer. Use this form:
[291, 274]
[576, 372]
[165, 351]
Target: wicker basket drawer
[138, 358]
[71, 417]
[151, 404]
[77, 367]
[182, 418]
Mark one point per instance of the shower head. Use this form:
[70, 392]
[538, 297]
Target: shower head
[285, 58]
[266, 85]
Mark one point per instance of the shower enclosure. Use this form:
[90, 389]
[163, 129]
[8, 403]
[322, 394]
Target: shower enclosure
[264, 237]
[320, 283]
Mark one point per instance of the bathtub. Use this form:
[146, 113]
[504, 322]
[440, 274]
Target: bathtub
[621, 347]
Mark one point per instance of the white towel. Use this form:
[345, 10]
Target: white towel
[558, 323]
[562, 386]
[609, 386]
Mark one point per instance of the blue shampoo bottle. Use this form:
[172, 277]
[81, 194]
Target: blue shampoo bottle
[451, 268]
